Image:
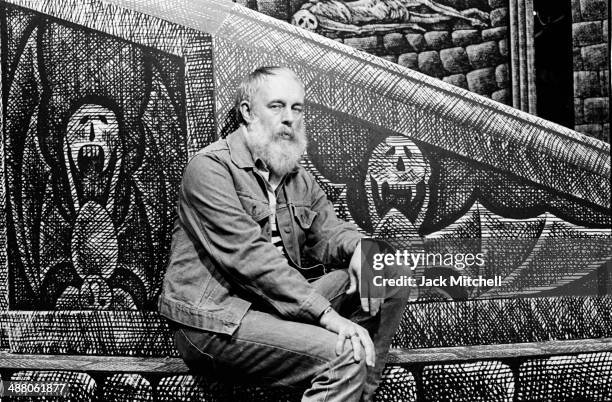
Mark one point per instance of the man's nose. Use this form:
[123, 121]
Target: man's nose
[288, 117]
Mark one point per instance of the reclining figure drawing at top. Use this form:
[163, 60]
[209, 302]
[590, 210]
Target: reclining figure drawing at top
[362, 16]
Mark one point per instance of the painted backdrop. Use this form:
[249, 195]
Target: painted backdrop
[103, 107]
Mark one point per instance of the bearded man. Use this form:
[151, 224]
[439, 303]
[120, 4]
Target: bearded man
[233, 290]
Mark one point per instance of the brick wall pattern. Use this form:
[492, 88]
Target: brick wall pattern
[590, 35]
[474, 58]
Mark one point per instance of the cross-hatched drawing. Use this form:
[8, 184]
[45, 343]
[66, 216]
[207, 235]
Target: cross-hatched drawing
[102, 111]
[95, 140]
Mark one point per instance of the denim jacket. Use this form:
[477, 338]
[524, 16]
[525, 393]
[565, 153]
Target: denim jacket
[221, 258]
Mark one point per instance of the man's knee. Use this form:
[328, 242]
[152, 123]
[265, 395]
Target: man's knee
[343, 379]
[359, 371]
[350, 373]
[355, 369]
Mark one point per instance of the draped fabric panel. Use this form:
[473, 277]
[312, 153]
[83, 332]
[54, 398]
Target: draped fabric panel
[522, 55]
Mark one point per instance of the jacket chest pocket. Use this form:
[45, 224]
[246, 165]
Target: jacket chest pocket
[304, 217]
[258, 209]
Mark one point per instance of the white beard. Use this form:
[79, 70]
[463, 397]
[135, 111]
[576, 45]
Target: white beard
[281, 155]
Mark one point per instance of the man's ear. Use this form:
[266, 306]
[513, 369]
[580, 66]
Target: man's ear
[245, 111]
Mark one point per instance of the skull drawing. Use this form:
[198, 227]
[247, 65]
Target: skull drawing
[306, 20]
[90, 146]
[397, 178]
[92, 134]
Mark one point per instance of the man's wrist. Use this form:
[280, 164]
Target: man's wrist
[328, 310]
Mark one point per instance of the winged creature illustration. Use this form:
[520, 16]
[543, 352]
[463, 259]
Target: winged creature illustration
[90, 191]
[411, 206]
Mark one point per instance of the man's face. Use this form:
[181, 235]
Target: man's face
[275, 123]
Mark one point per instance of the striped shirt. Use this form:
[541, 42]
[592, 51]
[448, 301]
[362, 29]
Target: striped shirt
[271, 188]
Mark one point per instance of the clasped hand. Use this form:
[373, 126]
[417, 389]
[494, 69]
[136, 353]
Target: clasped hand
[346, 329]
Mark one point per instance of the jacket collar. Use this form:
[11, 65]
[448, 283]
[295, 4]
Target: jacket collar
[239, 151]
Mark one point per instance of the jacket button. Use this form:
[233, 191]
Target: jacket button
[287, 230]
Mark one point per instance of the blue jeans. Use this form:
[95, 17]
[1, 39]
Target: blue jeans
[267, 349]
